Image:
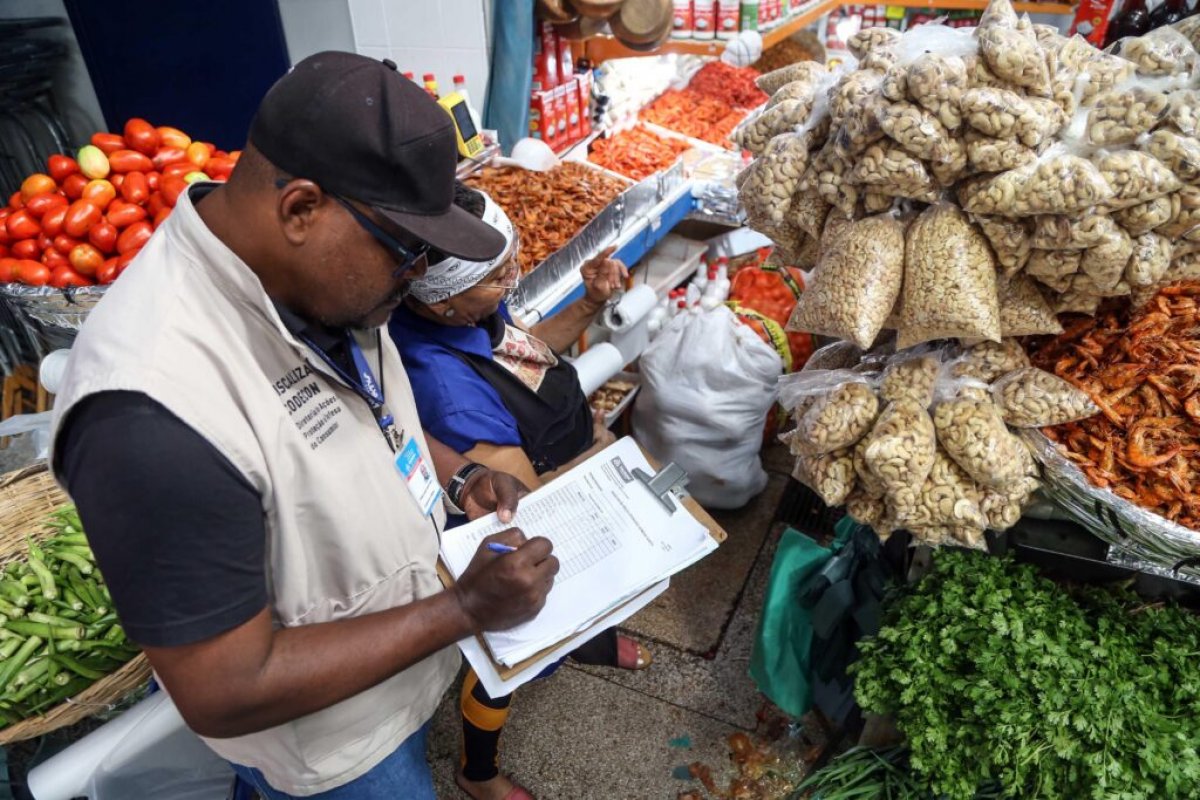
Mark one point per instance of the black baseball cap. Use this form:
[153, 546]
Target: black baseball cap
[358, 128]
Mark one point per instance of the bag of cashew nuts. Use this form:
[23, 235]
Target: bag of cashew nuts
[844, 409]
[987, 361]
[898, 450]
[972, 431]
[1024, 310]
[1033, 398]
[949, 282]
[911, 375]
[830, 475]
[856, 282]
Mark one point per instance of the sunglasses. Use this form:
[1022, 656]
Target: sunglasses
[406, 257]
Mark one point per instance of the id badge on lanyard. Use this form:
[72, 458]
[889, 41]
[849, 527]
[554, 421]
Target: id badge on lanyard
[407, 457]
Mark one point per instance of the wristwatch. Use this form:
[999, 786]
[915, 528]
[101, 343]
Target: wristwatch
[453, 497]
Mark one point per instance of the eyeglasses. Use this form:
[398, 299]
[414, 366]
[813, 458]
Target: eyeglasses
[510, 278]
[406, 257]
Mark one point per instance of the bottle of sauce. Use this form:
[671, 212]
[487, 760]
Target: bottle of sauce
[1168, 13]
[431, 84]
[1134, 20]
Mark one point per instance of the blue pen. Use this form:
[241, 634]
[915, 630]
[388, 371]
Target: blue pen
[496, 547]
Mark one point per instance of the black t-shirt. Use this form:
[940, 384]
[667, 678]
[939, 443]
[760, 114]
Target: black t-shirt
[177, 531]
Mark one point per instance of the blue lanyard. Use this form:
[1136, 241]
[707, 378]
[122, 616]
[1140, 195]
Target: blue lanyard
[366, 386]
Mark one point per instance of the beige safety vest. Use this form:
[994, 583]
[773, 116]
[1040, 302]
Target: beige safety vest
[190, 325]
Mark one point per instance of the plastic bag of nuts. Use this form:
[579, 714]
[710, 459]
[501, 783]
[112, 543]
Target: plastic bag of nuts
[916, 130]
[1150, 259]
[1023, 309]
[899, 448]
[831, 172]
[911, 376]
[1162, 51]
[1120, 116]
[1057, 232]
[856, 282]
[1143, 218]
[838, 355]
[1003, 114]
[1071, 302]
[888, 169]
[1033, 398]
[772, 82]
[868, 40]
[861, 125]
[950, 280]
[831, 475]
[973, 433]
[1180, 153]
[1057, 183]
[808, 212]
[1184, 222]
[1054, 268]
[1135, 178]
[768, 190]
[1002, 508]
[1104, 263]
[988, 154]
[804, 90]
[755, 134]
[839, 417]
[1015, 56]
[937, 83]
[947, 497]
[1184, 112]
[1010, 241]
[866, 510]
[986, 361]
[850, 91]
[949, 170]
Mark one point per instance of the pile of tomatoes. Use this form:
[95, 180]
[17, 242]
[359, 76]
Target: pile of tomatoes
[82, 221]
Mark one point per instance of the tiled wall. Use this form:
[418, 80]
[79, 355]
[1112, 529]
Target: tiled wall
[445, 37]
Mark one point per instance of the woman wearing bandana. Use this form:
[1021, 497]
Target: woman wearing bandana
[499, 393]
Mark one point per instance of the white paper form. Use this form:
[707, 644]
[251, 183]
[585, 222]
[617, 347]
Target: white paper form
[611, 536]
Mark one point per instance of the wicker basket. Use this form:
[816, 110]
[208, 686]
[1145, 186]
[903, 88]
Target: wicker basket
[27, 498]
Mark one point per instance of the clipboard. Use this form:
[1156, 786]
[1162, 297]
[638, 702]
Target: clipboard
[667, 485]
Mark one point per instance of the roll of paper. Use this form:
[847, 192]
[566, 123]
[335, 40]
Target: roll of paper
[598, 363]
[52, 369]
[631, 308]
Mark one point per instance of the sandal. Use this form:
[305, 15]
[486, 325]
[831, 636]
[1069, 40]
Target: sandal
[638, 660]
[517, 792]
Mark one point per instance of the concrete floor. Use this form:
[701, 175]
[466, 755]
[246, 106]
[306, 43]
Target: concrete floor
[592, 732]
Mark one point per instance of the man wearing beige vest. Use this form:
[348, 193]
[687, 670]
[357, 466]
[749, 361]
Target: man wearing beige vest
[246, 456]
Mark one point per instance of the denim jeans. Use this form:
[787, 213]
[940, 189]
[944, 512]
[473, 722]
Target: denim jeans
[405, 773]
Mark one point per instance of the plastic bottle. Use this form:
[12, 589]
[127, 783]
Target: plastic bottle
[460, 86]
[700, 279]
[712, 292]
[431, 84]
[722, 278]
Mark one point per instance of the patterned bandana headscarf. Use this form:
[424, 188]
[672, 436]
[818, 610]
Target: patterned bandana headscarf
[454, 276]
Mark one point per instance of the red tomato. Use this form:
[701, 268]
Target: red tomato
[129, 160]
[54, 259]
[15, 201]
[178, 169]
[133, 237]
[32, 273]
[65, 244]
[155, 204]
[135, 189]
[36, 184]
[3, 251]
[99, 193]
[152, 179]
[124, 259]
[220, 168]
[168, 155]
[173, 137]
[108, 142]
[73, 186]
[26, 248]
[117, 180]
[103, 236]
[172, 187]
[122, 214]
[8, 267]
[42, 203]
[4, 215]
[108, 271]
[141, 136]
[86, 259]
[235, 155]
[161, 217]
[64, 276]
[52, 220]
[199, 153]
[60, 166]
[44, 241]
[21, 225]
[81, 216]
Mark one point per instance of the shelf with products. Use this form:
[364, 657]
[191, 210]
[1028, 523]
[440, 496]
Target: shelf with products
[603, 48]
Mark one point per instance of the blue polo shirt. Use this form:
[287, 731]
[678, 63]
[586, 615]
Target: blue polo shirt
[457, 406]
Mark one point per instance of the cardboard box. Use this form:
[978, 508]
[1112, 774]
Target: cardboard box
[560, 114]
[585, 102]
[538, 115]
[570, 90]
[566, 59]
[1091, 20]
[545, 57]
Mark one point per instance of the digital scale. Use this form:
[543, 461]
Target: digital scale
[469, 142]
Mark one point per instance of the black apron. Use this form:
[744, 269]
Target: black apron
[555, 422]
